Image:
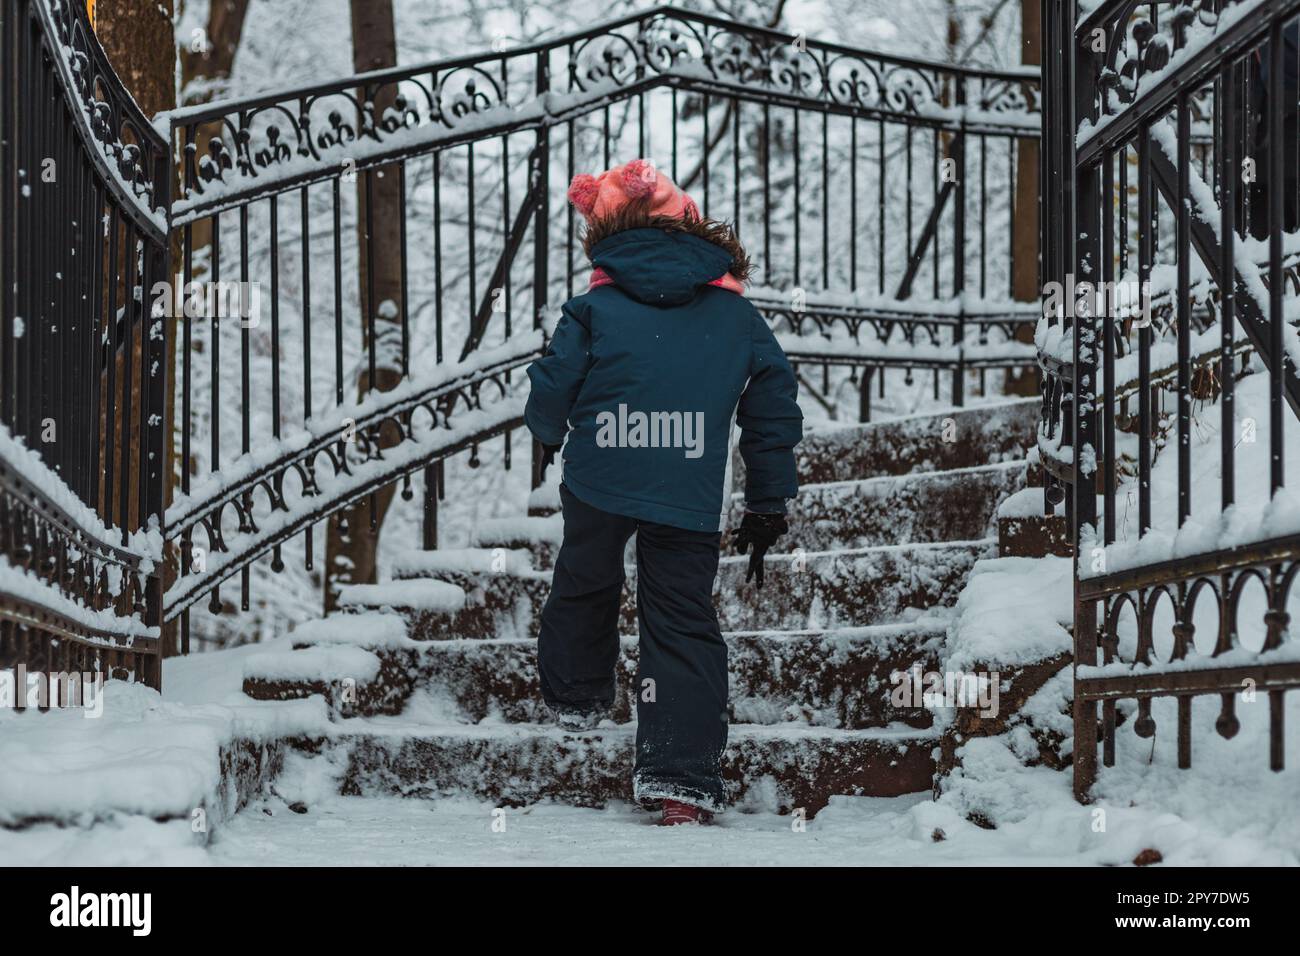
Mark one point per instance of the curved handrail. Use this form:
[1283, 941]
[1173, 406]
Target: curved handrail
[209, 111]
[273, 142]
[357, 456]
[79, 596]
[47, 540]
[134, 172]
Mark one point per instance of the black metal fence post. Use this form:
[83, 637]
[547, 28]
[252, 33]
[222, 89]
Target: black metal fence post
[959, 249]
[540, 171]
[1112, 92]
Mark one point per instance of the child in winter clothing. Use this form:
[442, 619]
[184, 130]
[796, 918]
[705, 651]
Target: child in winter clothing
[644, 376]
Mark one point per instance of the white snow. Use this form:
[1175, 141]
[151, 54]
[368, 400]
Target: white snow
[322, 662]
[1257, 515]
[371, 628]
[1012, 611]
[1025, 503]
[417, 593]
[144, 755]
[481, 560]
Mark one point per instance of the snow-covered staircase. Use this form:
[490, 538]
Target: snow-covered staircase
[432, 680]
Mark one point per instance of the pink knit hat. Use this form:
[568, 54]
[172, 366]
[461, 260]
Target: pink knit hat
[599, 196]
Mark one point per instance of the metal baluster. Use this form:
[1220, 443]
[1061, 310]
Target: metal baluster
[1227, 292]
[1145, 255]
[881, 175]
[245, 389]
[305, 217]
[705, 143]
[853, 203]
[570, 232]
[437, 255]
[794, 198]
[277, 562]
[735, 171]
[826, 202]
[1184, 311]
[1276, 287]
[1107, 321]
[767, 193]
[128, 373]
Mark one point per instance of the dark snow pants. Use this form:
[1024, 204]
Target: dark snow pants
[681, 682]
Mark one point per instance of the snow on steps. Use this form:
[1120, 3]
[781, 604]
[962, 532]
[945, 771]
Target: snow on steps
[840, 588]
[879, 539]
[836, 678]
[924, 507]
[956, 438]
[918, 507]
[781, 768]
[539, 536]
[360, 662]
[846, 588]
[144, 756]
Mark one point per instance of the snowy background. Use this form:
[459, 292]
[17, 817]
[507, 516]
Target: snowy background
[288, 43]
[150, 757]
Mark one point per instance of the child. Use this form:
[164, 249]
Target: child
[644, 375]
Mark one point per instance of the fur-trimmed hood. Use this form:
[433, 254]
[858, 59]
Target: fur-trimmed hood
[636, 216]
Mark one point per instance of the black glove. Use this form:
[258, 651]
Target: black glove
[548, 456]
[761, 531]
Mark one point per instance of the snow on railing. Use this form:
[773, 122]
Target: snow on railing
[272, 142]
[435, 415]
[1170, 453]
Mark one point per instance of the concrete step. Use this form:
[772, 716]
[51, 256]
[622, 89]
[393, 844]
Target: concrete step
[849, 588]
[926, 507]
[783, 768]
[360, 662]
[955, 438]
[835, 678]
[839, 678]
[539, 536]
[803, 590]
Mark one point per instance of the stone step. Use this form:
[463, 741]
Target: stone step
[835, 678]
[850, 588]
[782, 768]
[839, 678]
[360, 662]
[927, 507]
[803, 590]
[954, 438]
[539, 536]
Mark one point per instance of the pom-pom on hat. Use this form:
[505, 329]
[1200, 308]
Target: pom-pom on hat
[637, 181]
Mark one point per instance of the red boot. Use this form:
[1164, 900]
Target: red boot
[676, 813]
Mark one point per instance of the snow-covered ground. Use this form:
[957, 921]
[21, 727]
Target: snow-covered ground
[852, 831]
[1227, 810]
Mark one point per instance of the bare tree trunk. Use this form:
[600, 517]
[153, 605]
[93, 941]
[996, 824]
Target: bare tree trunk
[351, 546]
[1024, 228]
[137, 36]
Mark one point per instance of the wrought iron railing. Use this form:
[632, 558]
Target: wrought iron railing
[1136, 190]
[366, 266]
[867, 167]
[83, 363]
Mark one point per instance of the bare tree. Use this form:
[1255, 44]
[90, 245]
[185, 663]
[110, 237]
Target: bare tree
[353, 540]
[137, 37]
[1024, 229]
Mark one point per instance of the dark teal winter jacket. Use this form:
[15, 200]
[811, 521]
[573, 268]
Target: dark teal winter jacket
[646, 376]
